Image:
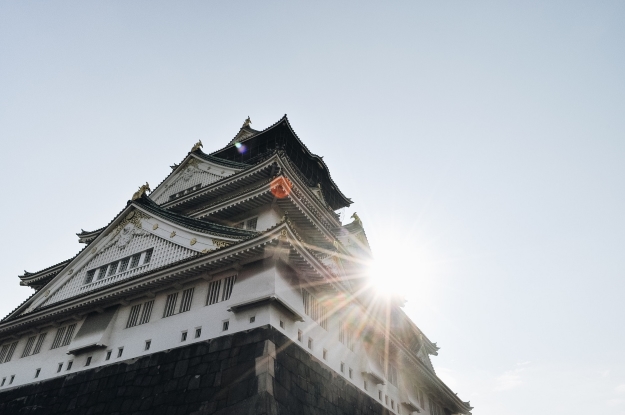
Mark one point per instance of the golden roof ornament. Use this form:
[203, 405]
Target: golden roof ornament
[197, 146]
[247, 122]
[356, 218]
[139, 193]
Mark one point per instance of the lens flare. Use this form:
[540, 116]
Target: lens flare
[281, 187]
[241, 148]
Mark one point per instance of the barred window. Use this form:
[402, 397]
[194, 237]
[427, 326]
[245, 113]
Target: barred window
[89, 276]
[187, 297]
[6, 353]
[148, 256]
[58, 338]
[124, 264]
[314, 309]
[39, 343]
[170, 305]
[392, 374]
[239, 225]
[213, 292]
[133, 316]
[102, 272]
[147, 312]
[113, 268]
[228, 284]
[346, 335]
[63, 336]
[134, 261]
[29, 346]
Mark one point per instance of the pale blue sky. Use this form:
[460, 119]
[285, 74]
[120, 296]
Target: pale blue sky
[482, 143]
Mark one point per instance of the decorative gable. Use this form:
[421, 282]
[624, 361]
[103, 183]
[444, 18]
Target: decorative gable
[191, 176]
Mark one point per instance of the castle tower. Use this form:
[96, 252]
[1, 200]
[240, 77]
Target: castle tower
[232, 287]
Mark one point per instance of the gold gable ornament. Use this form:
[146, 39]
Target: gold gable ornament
[196, 146]
[142, 190]
[247, 122]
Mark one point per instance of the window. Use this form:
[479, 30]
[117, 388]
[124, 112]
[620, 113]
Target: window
[29, 346]
[6, 353]
[133, 316]
[252, 319]
[380, 395]
[225, 325]
[435, 409]
[113, 268]
[40, 341]
[187, 297]
[119, 266]
[12, 379]
[198, 332]
[69, 365]
[120, 351]
[3, 380]
[108, 354]
[58, 369]
[148, 343]
[386, 400]
[342, 367]
[37, 372]
[228, 284]
[88, 361]
[281, 324]
[325, 354]
[148, 256]
[213, 292]
[123, 265]
[310, 343]
[314, 309]
[351, 373]
[134, 261]
[63, 336]
[299, 335]
[392, 404]
[170, 305]
[345, 335]
[89, 276]
[147, 312]
[365, 385]
[183, 336]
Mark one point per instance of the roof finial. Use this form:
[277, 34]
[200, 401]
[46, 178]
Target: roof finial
[247, 122]
[356, 218]
[139, 193]
[197, 146]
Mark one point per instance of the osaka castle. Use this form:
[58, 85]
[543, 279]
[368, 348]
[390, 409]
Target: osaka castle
[232, 287]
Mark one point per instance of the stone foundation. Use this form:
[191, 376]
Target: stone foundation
[256, 372]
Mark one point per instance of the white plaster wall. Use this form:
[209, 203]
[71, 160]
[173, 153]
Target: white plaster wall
[165, 333]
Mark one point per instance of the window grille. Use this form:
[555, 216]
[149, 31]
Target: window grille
[69, 365]
[239, 225]
[68, 335]
[3, 352]
[213, 292]
[134, 262]
[147, 312]
[108, 354]
[58, 338]
[37, 372]
[113, 268]
[133, 316]
[10, 348]
[314, 309]
[88, 362]
[198, 332]
[124, 264]
[183, 337]
[346, 335]
[89, 276]
[392, 374]
[187, 297]
[228, 284]
[170, 305]
[148, 256]
[102, 272]
[120, 352]
[29, 346]
[148, 343]
[226, 325]
[251, 224]
[39, 343]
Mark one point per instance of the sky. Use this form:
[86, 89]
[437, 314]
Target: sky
[481, 142]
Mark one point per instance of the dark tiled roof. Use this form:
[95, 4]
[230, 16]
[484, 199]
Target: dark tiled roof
[194, 224]
[310, 165]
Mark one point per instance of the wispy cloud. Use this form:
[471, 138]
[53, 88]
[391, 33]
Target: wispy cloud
[620, 389]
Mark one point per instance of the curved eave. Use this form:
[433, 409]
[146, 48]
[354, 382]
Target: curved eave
[341, 199]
